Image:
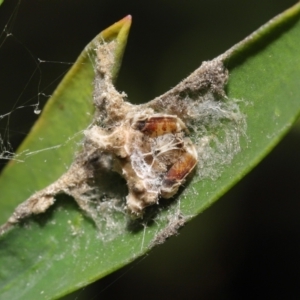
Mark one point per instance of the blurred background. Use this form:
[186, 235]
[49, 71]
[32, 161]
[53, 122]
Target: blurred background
[247, 244]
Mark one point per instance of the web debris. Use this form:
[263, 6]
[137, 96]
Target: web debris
[202, 124]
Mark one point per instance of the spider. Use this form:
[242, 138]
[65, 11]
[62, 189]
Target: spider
[170, 148]
[152, 152]
[159, 158]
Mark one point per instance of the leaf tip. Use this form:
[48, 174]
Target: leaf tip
[126, 21]
[128, 18]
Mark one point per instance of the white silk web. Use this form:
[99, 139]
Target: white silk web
[27, 78]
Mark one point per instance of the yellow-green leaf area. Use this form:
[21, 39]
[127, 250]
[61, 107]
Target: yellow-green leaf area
[49, 148]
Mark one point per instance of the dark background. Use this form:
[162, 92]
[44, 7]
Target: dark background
[247, 245]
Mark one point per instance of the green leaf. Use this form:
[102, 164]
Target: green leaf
[263, 72]
[62, 250]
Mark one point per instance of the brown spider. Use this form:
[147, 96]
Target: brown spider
[152, 153]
